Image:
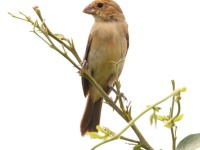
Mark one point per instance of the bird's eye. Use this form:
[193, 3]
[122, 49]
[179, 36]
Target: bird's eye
[99, 5]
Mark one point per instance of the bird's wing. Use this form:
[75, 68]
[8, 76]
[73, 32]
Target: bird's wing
[85, 82]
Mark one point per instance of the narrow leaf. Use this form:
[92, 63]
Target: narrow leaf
[178, 118]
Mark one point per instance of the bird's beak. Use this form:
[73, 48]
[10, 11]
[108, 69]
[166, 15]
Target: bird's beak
[89, 9]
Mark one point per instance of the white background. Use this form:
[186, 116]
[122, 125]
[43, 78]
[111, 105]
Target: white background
[41, 98]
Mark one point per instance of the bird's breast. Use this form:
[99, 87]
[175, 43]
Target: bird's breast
[107, 47]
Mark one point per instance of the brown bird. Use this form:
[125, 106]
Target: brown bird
[108, 42]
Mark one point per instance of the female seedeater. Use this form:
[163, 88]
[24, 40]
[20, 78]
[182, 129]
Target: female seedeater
[108, 42]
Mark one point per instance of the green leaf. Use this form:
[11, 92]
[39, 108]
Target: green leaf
[94, 135]
[169, 124]
[137, 148]
[155, 119]
[99, 128]
[161, 118]
[178, 118]
[105, 133]
[191, 142]
[151, 119]
[60, 36]
[183, 89]
[156, 109]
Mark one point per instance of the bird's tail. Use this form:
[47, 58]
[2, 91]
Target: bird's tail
[91, 116]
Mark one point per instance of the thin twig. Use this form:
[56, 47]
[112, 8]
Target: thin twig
[116, 136]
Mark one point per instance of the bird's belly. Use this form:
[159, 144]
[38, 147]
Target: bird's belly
[101, 62]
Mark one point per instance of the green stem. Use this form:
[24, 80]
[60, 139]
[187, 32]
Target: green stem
[72, 50]
[144, 143]
[62, 53]
[17, 17]
[84, 73]
[173, 131]
[116, 136]
[128, 139]
[117, 84]
[171, 115]
[173, 100]
[173, 128]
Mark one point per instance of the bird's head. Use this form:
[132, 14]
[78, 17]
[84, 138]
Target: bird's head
[104, 10]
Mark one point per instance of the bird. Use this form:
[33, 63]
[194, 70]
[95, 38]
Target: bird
[108, 42]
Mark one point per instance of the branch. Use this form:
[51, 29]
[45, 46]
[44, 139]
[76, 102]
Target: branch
[116, 136]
